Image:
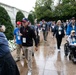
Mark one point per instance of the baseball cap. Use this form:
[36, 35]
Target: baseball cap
[25, 20]
[18, 22]
[73, 31]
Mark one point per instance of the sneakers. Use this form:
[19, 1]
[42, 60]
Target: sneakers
[58, 50]
[29, 73]
[17, 59]
[32, 53]
[23, 56]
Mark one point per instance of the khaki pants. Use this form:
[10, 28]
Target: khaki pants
[18, 47]
[28, 55]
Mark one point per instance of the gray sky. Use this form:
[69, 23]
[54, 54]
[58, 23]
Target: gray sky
[26, 5]
[55, 2]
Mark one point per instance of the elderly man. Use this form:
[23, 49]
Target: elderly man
[27, 36]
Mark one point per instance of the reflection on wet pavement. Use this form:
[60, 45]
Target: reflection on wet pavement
[48, 61]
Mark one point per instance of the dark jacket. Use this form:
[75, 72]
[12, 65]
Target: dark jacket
[44, 27]
[59, 32]
[29, 35]
[4, 47]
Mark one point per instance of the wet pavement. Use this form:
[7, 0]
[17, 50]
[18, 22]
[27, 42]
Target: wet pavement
[47, 60]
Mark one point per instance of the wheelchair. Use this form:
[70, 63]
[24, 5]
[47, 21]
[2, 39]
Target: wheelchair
[70, 50]
[66, 48]
[72, 55]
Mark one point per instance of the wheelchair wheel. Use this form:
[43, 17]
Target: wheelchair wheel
[69, 57]
[65, 50]
[73, 60]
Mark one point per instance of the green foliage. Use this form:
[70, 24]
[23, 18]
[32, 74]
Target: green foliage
[5, 20]
[43, 9]
[64, 10]
[19, 16]
[33, 14]
[31, 19]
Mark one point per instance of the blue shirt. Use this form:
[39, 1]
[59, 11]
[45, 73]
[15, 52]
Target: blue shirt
[17, 37]
[4, 47]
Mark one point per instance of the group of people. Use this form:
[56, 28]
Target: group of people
[24, 34]
[59, 30]
[23, 37]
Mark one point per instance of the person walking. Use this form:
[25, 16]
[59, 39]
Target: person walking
[52, 27]
[7, 64]
[59, 32]
[71, 26]
[17, 40]
[45, 30]
[27, 36]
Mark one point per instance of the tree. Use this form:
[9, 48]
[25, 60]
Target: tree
[5, 20]
[68, 1]
[33, 14]
[42, 7]
[64, 10]
[31, 19]
[19, 16]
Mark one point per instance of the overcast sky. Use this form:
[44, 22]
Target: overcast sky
[26, 5]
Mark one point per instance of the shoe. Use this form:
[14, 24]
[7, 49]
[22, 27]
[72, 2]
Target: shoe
[29, 73]
[58, 50]
[45, 40]
[17, 59]
[32, 53]
[23, 56]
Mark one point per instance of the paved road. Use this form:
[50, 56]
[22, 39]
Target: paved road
[48, 61]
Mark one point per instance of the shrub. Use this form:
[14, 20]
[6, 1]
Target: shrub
[19, 16]
[31, 19]
[5, 20]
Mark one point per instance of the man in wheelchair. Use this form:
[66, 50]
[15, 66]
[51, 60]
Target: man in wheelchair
[72, 45]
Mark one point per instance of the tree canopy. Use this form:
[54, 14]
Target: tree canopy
[44, 9]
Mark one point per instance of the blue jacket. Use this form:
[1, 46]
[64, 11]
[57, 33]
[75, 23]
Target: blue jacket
[4, 47]
[70, 28]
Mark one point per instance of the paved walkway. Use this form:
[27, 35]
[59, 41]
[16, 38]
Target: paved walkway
[48, 61]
